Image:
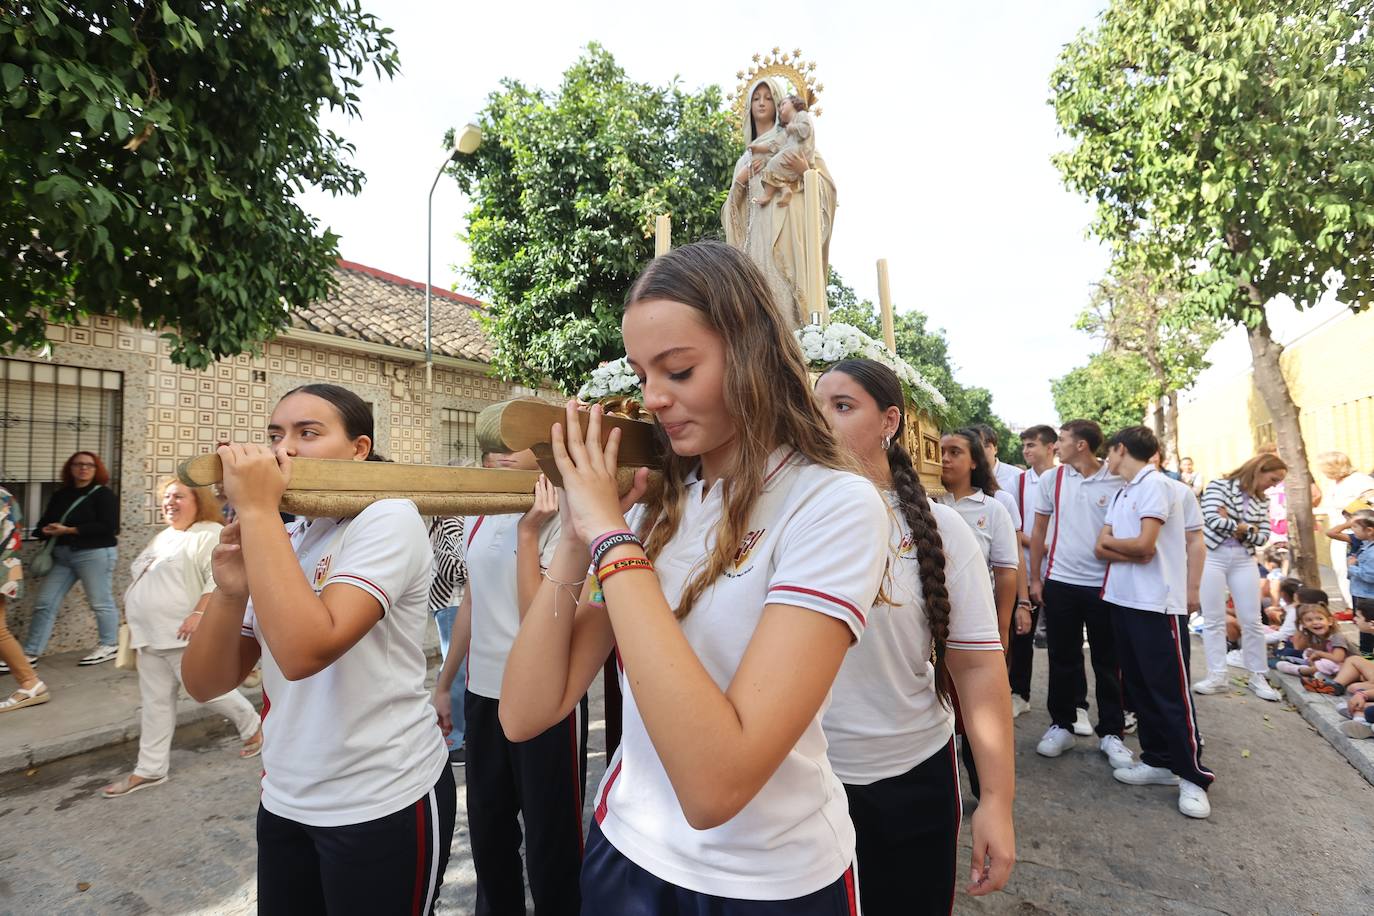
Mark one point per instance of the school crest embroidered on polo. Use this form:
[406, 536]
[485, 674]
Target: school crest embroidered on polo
[982, 522]
[746, 547]
[322, 570]
[907, 549]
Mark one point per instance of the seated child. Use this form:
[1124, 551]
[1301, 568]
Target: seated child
[801, 138]
[1361, 570]
[1361, 710]
[1356, 674]
[1323, 649]
[1285, 622]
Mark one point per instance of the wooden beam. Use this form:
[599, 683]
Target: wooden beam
[663, 235]
[813, 283]
[885, 306]
[523, 424]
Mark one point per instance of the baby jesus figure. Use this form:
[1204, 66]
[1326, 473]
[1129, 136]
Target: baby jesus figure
[779, 174]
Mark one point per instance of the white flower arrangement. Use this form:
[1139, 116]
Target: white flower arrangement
[608, 380]
[822, 347]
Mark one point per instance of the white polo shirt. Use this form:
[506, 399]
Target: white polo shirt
[1160, 585]
[1077, 507]
[358, 740]
[884, 716]
[1008, 476]
[818, 541]
[1027, 495]
[992, 525]
[489, 551]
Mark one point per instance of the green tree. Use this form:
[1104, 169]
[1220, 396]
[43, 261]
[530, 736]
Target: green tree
[151, 153]
[1113, 389]
[1234, 144]
[928, 352]
[1132, 311]
[565, 188]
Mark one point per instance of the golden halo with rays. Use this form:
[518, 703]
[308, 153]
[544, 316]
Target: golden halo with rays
[787, 64]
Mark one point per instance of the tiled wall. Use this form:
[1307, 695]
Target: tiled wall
[172, 413]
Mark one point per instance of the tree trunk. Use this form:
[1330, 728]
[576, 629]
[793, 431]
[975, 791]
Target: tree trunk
[1170, 440]
[1156, 416]
[1273, 388]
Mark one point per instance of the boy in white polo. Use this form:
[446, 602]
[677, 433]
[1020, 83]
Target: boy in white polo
[1071, 509]
[1037, 447]
[1152, 540]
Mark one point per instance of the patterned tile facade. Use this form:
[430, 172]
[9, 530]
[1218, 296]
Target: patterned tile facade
[172, 413]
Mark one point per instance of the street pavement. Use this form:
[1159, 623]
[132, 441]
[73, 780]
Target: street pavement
[1290, 832]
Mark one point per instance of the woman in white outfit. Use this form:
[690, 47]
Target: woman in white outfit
[1235, 518]
[171, 585]
[1348, 485]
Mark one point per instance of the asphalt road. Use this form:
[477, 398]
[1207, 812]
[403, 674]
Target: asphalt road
[1291, 830]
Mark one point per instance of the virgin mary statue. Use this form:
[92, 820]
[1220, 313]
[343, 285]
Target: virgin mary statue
[774, 237]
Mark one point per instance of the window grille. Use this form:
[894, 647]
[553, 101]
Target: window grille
[47, 412]
[458, 429]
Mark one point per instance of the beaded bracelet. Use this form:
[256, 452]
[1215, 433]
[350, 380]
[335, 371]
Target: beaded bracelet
[610, 569]
[606, 543]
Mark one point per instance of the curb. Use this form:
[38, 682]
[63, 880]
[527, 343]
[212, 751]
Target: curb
[28, 756]
[1320, 712]
[94, 739]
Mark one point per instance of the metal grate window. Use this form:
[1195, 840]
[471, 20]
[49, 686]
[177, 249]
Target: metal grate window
[459, 431]
[47, 412]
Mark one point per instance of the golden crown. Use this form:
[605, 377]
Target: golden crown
[788, 65]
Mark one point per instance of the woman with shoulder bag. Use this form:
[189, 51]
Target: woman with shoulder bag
[170, 576]
[81, 522]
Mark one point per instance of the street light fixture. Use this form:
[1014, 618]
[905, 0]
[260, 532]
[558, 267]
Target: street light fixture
[466, 143]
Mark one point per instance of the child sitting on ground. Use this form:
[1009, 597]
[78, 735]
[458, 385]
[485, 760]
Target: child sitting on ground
[1284, 620]
[1361, 710]
[1323, 649]
[801, 138]
[1356, 674]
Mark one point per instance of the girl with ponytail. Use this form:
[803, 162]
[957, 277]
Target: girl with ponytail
[890, 725]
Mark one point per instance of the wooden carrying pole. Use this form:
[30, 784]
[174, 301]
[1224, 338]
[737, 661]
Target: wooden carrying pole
[332, 488]
[885, 306]
[813, 284]
[663, 235]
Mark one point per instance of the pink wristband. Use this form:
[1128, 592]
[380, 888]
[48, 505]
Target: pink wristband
[597, 543]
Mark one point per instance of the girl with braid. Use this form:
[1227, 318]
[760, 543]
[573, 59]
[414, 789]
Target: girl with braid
[890, 724]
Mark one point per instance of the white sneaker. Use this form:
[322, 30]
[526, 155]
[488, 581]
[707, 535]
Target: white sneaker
[1142, 774]
[1081, 725]
[1234, 659]
[1118, 754]
[1131, 723]
[1019, 705]
[1358, 728]
[1259, 685]
[1055, 742]
[1192, 799]
[1195, 624]
[5, 667]
[100, 654]
[1213, 683]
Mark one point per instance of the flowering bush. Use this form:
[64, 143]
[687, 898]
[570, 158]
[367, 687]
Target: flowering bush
[822, 348]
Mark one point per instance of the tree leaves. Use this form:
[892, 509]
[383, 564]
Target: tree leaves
[565, 189]
[151, 159]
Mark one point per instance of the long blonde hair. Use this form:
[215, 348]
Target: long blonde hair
[767, 394]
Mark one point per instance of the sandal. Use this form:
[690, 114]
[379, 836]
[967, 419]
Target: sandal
[34, 695]
[127, 786]
[252, 747]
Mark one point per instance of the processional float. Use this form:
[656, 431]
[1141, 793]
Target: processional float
[790, 247]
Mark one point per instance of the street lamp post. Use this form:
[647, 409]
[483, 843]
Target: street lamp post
[467, 142]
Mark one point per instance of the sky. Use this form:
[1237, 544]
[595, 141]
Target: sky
[935, 126]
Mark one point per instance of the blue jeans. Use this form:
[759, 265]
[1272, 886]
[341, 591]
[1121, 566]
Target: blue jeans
[444, 619]
[95, 568]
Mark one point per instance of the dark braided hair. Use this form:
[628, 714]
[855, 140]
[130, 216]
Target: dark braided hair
[882, 385]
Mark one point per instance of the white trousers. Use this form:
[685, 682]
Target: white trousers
[1338, 553]
[159, 681]
[1231, 568]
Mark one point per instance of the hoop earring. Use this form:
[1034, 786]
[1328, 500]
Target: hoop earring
[887, 442]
